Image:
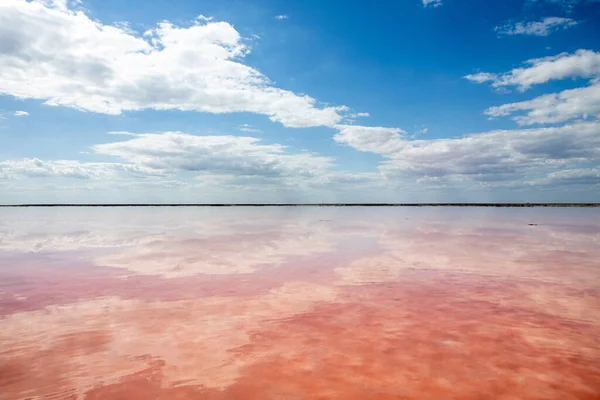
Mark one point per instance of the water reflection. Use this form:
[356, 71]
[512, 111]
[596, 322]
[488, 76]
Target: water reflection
[299, 303]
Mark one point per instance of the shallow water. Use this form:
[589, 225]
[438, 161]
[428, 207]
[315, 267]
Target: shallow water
[299, 303]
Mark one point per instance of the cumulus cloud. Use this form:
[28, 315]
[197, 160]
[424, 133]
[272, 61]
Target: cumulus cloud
[582, 176]
[372, 139]
[496, 155]
[21, 114]
[180, 160]
[431, 3]
[51, 52]
[282, 17]
[536, 28]
[581, 64]
[554, 107]
[237, 155]
[36, 168]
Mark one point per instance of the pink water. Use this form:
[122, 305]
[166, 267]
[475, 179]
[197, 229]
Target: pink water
[299, 303]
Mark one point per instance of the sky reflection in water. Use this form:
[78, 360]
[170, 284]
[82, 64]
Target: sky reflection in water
[299, 303]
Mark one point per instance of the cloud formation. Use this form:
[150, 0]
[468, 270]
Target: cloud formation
[490, 156]
[583, 102]
[36, 168]
[54, 53]
[21, 114]
[581, 64]
[554, 107]
[583, 176]
[184, 161]
[237, 155]
[536, 28]
[372, 139]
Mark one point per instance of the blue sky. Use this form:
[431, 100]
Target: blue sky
[299, 101]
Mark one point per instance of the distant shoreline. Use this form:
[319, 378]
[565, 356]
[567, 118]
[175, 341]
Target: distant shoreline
[514, 205]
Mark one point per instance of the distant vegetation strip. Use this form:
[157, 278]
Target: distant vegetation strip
[321, 205]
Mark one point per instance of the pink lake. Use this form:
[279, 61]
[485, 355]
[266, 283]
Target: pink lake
[299, 303]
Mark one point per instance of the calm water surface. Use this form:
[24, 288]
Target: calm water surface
[299, 303]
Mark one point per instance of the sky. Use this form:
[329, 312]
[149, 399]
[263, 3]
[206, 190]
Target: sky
[197, 101]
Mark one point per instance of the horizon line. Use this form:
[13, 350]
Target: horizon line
[305, 205]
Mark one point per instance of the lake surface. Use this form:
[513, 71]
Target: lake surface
[299, 303]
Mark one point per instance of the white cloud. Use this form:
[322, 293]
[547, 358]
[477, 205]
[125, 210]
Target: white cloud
[481, 77]
[349, 180]
[554, 107]
[583, 176]
[431, 3]
[58, 4]
[125, 27]
[536, 28]
[372, 139]
[282, 17]
[21, 114]
[496, 155]
[420, 132]
[228, 155]
[249, 128]
[65, 58]
[350, 117]
[581, 64]
[229, 163]
[35, 168]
